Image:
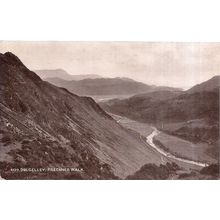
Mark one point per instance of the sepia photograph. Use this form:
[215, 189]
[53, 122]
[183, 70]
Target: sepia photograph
[109, 110]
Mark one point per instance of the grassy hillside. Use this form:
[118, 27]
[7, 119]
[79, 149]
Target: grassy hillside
[173, 171]
[193, 116]
[44, 126]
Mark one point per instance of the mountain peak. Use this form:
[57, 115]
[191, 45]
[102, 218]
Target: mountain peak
[62, 74]
[216, 78]
[10, 59]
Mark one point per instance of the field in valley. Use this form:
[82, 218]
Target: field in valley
[185, 149]
[174, 145]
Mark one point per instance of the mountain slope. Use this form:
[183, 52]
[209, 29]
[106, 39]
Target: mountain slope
[103, 86]
[106, 86]
[62, 74]
[136, 106]
[45, 126]
[210, 85]
[193, 116]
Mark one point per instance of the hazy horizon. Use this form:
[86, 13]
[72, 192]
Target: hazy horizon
[165, 64]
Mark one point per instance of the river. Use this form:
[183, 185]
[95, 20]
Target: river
[128, 123]
[149, 140]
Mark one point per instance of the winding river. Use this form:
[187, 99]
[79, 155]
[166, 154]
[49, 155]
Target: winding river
[149, 140]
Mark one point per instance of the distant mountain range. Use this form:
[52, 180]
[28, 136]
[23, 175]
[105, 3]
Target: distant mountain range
[44, 126]
[192, 114]
[63, 75]
[107, 86]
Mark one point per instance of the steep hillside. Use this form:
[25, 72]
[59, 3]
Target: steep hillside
[43, 126]
[62, 74]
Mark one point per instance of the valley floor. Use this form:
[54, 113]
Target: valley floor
[187, 155]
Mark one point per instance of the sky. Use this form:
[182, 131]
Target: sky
[180, 65]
